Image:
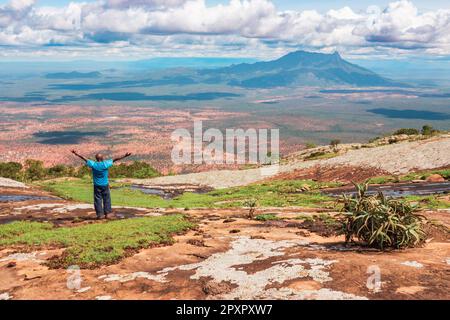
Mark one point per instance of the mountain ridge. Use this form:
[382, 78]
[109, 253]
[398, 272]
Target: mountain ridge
[298, 68]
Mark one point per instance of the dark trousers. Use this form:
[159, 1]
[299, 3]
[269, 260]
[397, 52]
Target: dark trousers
[102, 200]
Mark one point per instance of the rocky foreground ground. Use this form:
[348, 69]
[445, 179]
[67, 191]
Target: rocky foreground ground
[228, 256]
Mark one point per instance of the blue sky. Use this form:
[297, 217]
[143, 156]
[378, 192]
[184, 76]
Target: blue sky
[133, 29]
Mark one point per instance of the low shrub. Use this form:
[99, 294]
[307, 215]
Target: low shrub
[34, 170]
[381, 222]
[251, 204]
[335, 142]
[266, 217]
[11, 170]
[407, 131]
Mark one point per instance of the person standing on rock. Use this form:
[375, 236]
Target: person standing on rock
[100, 171]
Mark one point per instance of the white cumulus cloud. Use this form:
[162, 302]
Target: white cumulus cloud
[250, 23]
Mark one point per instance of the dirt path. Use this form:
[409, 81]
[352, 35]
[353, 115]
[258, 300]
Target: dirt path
[395, 158]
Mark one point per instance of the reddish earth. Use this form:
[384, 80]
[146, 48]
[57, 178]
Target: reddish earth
[229, 256]
[344, 173]
[143, 131]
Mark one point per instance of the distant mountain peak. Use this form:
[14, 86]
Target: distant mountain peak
[300, 68]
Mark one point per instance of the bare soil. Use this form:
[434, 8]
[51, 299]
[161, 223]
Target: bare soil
[344, 174]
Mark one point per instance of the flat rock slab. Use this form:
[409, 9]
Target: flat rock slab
[9, 183]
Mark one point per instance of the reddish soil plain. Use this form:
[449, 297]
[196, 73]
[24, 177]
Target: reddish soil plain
[143, 131]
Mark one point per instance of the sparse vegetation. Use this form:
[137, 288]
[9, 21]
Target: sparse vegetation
[323, 224]
[251, 204]
[11, 170]
[320, 155]
[381, 222]
[374, 139]
[34, 170]
[407, 131]
[420, 175]
[136, 169]
[94, 244]
[310, 145]
[269, 194]
[335, 142]
[267, 217]
[428, 130]
[428, 202]
[304, 217]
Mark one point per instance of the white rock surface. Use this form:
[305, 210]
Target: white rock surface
[85, 289]
[5, 296]
[221, 267]
[395, 158]
[21, 257]
[413, 264]
[9, 183]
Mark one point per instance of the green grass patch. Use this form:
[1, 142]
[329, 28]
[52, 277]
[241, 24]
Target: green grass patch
[96, 244]
[320, 155]
[420, 175]
[322, 217]
[384, 179]
[304, 217]
[328, 220]
[445, 173]
[270, 194]
[267, 217]
[428, 202]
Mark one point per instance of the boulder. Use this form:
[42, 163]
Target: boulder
[435, 178]
[216, 288]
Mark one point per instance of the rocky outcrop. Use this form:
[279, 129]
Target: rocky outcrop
[392, 158]
[435, 178]
[9, 183]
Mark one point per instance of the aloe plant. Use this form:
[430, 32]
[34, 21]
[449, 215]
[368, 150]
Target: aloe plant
[380, 221]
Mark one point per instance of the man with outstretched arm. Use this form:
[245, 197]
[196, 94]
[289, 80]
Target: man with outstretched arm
[100, 171]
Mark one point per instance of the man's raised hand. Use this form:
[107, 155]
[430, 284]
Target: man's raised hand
[79, 156]
[120, 158]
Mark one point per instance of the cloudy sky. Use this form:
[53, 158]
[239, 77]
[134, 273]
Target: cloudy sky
[134, 29]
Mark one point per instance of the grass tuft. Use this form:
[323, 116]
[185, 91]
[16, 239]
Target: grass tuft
[267, 217]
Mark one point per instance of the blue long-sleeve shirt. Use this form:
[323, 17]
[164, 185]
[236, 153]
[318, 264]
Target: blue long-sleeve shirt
[100, 171]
